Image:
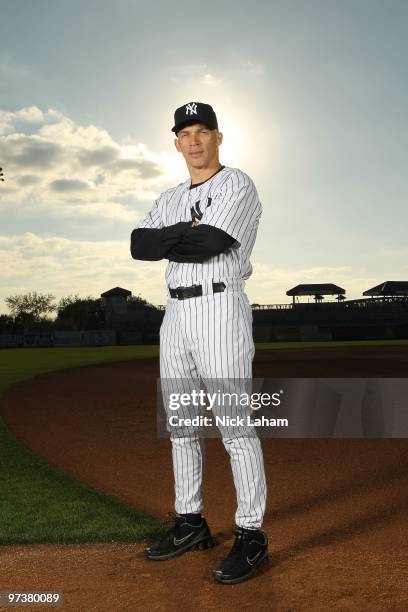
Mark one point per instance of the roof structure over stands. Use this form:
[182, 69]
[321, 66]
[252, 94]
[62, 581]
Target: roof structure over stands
[389, 288]
[318, 290]
[116, 291]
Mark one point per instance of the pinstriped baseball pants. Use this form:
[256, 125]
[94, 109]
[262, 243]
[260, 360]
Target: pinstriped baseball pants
[210, 337]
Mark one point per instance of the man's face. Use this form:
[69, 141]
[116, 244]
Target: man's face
[199, 145]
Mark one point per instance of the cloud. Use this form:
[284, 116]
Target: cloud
[190, 75]
[143, 167]
[88, 211]
[66, 185]
[61, 266]
[5, 189]
[211, 80]
[200, 77]
[98, 157]
[46, 154]
[27, 179]
[252, 68]
[29, 152]
[268, 284]
[58, 265]
[27, 120]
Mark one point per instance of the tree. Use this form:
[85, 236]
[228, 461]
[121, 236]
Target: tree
[76, 313]
[144, 317]
[31, 305]
[136, 302]
[6, 324]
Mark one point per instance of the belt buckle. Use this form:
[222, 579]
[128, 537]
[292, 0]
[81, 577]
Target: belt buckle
[181, 293]
[218, 286]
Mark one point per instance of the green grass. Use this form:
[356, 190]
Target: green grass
[39, 504]
[22, 363]
[327, 343]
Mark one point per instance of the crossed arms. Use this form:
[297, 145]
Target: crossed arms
[182, 242]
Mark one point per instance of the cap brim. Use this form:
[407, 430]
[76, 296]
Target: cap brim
[180, 126]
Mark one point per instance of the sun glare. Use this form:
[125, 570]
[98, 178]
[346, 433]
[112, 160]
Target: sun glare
[234, 147]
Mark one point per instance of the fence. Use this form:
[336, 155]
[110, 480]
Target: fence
[59, 338]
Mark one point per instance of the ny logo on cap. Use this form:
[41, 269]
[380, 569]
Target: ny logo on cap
[191, 109]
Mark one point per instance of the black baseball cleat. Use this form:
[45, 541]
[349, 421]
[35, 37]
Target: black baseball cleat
[246, 555]
[179, 539]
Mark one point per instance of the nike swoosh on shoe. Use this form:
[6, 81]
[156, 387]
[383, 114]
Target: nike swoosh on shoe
[181, 540]
[254, 559]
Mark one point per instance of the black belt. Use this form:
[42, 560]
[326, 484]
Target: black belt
[181, 293]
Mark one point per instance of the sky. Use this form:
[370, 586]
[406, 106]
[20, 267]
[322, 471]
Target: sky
[311, 96]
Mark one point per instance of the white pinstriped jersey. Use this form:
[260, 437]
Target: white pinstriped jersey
[229, 201]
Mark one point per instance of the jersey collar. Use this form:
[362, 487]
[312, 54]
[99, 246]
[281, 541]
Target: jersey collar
[191, 186]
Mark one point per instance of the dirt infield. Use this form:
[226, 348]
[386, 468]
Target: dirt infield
[336, 515]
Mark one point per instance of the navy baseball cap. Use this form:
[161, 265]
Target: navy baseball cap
[195, 112]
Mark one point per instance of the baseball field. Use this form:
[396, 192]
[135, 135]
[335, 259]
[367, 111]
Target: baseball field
[86, 483]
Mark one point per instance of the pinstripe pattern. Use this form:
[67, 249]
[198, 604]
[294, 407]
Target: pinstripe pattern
[234, 208]
[210, 337]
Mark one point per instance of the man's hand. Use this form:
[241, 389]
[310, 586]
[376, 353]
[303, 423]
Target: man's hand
[150, 244]
[195, 247]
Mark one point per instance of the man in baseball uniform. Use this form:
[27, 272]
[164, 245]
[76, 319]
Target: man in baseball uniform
[206, 228]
